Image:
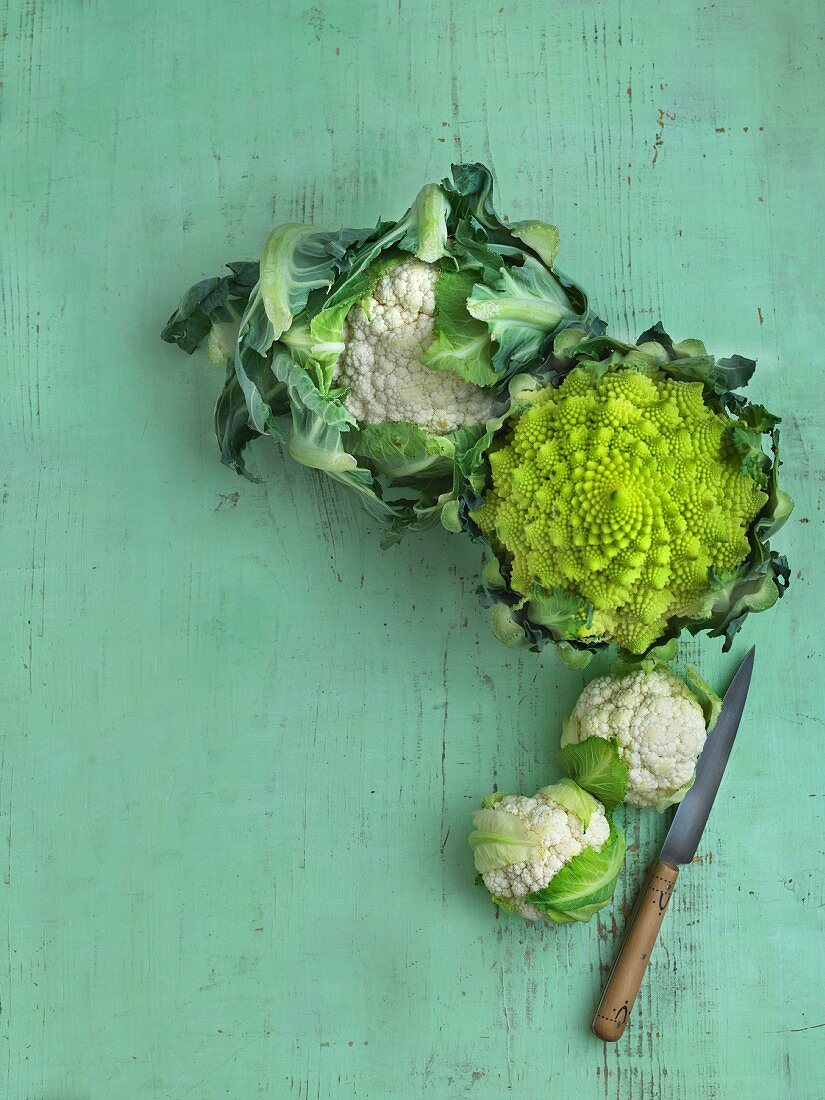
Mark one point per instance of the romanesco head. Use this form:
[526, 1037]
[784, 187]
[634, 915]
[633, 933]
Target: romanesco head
[625, 491]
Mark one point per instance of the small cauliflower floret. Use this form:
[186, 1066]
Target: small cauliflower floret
[521, 844]
[381, 365]
[562, 837]
[658, 726]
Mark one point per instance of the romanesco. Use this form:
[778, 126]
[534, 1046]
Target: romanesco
[626, 490]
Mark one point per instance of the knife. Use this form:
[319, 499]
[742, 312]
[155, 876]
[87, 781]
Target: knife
[680, 847]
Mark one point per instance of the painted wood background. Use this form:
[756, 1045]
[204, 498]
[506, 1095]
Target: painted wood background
[240, 744]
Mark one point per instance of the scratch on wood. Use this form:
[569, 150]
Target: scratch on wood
[659, 139]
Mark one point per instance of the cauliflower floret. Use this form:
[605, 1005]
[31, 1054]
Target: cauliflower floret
[659, 727]
[381, 366]
[562, 837]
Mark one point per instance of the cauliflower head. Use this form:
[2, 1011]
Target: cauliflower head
[624, 489]
[656, 725]
[385, 337]
[388, 348]
[552, 857]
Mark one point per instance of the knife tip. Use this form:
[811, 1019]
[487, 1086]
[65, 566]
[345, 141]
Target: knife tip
[745, 668]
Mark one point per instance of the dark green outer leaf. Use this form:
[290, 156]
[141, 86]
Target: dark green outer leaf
[232, 426]
[202, 307]
[480, 233]
[203, 303]
[471, 196]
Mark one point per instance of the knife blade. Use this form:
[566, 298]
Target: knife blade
[692, 814]
[679, 847]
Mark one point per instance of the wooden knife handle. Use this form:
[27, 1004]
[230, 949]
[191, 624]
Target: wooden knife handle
[634, 954]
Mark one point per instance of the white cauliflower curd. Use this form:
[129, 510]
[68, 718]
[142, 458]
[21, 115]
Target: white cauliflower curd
[381, 365]
[658, 727]
[522, 844]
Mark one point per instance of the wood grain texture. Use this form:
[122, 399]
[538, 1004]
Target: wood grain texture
[240, 744]
[633, 957]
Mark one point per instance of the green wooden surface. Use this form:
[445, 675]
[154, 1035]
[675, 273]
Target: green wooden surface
[240, 744]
